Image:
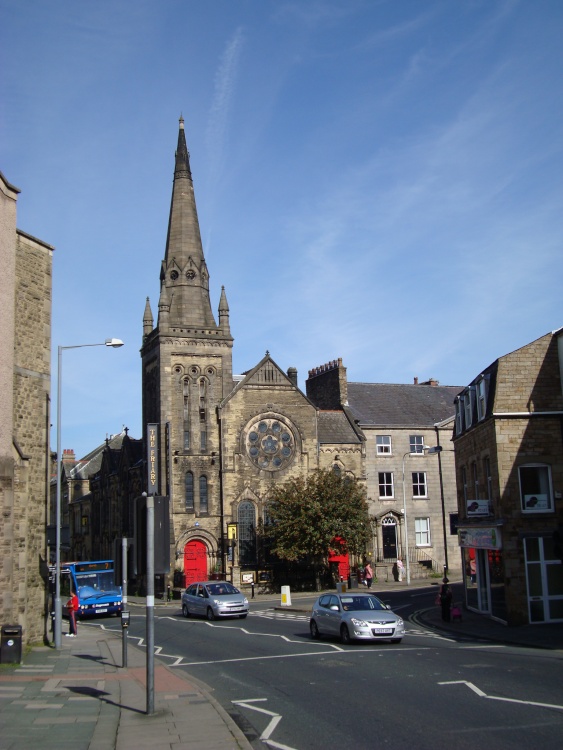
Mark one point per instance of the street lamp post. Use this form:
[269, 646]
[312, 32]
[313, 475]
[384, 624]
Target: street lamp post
[429, 451]
[115, 343]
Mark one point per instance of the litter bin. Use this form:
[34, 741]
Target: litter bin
[353, 581]
[11, 644]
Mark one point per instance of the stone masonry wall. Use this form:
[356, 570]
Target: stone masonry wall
[32, 373]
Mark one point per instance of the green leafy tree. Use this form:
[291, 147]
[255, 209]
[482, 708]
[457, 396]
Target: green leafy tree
[323, 512]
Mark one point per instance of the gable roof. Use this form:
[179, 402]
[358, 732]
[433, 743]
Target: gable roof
[397, 405]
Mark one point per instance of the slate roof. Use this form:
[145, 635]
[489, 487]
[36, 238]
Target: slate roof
[397, 405]
[334, 427]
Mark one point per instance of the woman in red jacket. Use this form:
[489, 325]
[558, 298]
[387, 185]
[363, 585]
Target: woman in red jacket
[72, 606]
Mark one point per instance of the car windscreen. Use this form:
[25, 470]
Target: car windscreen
[361, 603]
[220, 589]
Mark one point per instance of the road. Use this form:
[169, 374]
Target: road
[287, 691]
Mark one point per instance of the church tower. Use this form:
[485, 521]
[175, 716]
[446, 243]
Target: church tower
[186, 373]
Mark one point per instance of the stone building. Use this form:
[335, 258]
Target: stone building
[98, 496]
[25, 371]
[509, 462]
[410, 492]
[223, 440]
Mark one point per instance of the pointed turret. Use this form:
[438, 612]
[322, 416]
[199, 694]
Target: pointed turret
[148, 320]
[224, 313]
[184, 271]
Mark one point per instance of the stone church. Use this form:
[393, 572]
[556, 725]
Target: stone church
[223, 440]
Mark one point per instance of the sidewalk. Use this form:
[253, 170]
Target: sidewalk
[80, 698]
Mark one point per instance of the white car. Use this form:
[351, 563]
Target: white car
[355, 616]
[213, 599]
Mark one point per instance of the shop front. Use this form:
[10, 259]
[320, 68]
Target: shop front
[483, 563]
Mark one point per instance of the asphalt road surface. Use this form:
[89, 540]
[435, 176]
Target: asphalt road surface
[287, 691]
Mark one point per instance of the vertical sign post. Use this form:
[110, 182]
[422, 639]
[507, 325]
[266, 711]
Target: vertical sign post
[150, 605]
[152, 490]
[152, 459]
[124, 619]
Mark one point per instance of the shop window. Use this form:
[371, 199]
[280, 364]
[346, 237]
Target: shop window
[535, 488]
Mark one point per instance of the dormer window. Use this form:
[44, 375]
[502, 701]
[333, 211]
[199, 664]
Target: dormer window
[481, 389]
[468, 397]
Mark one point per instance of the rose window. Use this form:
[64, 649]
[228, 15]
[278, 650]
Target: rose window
[270, 444]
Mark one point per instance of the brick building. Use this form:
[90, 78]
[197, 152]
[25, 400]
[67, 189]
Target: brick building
[509, 463]
[25, 371]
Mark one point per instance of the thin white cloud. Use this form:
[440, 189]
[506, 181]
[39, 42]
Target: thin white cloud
[225, 83]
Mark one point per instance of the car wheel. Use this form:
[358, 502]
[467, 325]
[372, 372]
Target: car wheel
[314, 630]
[396, 640]
[210, 614]
[345, 634]
[185, 610]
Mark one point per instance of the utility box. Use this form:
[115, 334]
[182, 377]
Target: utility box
[11, 644]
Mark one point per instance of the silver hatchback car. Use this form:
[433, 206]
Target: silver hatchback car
[355, 616]
[213, 599]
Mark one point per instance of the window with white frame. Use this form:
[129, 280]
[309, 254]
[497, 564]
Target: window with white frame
[416, 443]
[468, 407]
[535, 488]
[419, 484]
[383, 445]
[458, 416]
[481, 394]
[422, 532]
[386, 484]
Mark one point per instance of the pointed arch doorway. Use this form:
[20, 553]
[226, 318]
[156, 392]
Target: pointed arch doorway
[195, 562]
[389, 537]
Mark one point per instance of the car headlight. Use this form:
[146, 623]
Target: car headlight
[359, 623]
[400, 623]
[217, 602]
[245, 601]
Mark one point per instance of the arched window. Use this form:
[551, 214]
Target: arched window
[189, 492]
[203, 504]
[203, 413]
[247, 533]
[186, 393]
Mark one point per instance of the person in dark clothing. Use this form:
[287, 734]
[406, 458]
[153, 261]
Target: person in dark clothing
[446, 597]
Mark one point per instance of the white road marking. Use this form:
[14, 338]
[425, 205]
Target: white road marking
[482, 694]
[275, 720]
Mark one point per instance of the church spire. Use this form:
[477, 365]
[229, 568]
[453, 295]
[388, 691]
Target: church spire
[184, 276]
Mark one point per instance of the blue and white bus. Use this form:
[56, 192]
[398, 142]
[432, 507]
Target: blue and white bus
[94, 584]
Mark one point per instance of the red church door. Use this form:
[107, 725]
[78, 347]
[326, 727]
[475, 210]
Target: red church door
[195, 562]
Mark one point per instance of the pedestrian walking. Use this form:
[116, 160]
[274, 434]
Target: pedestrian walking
[400, 569]
[368, 573]
[446, 596]
[72, 607]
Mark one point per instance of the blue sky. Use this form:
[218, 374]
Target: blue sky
[377, 180]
